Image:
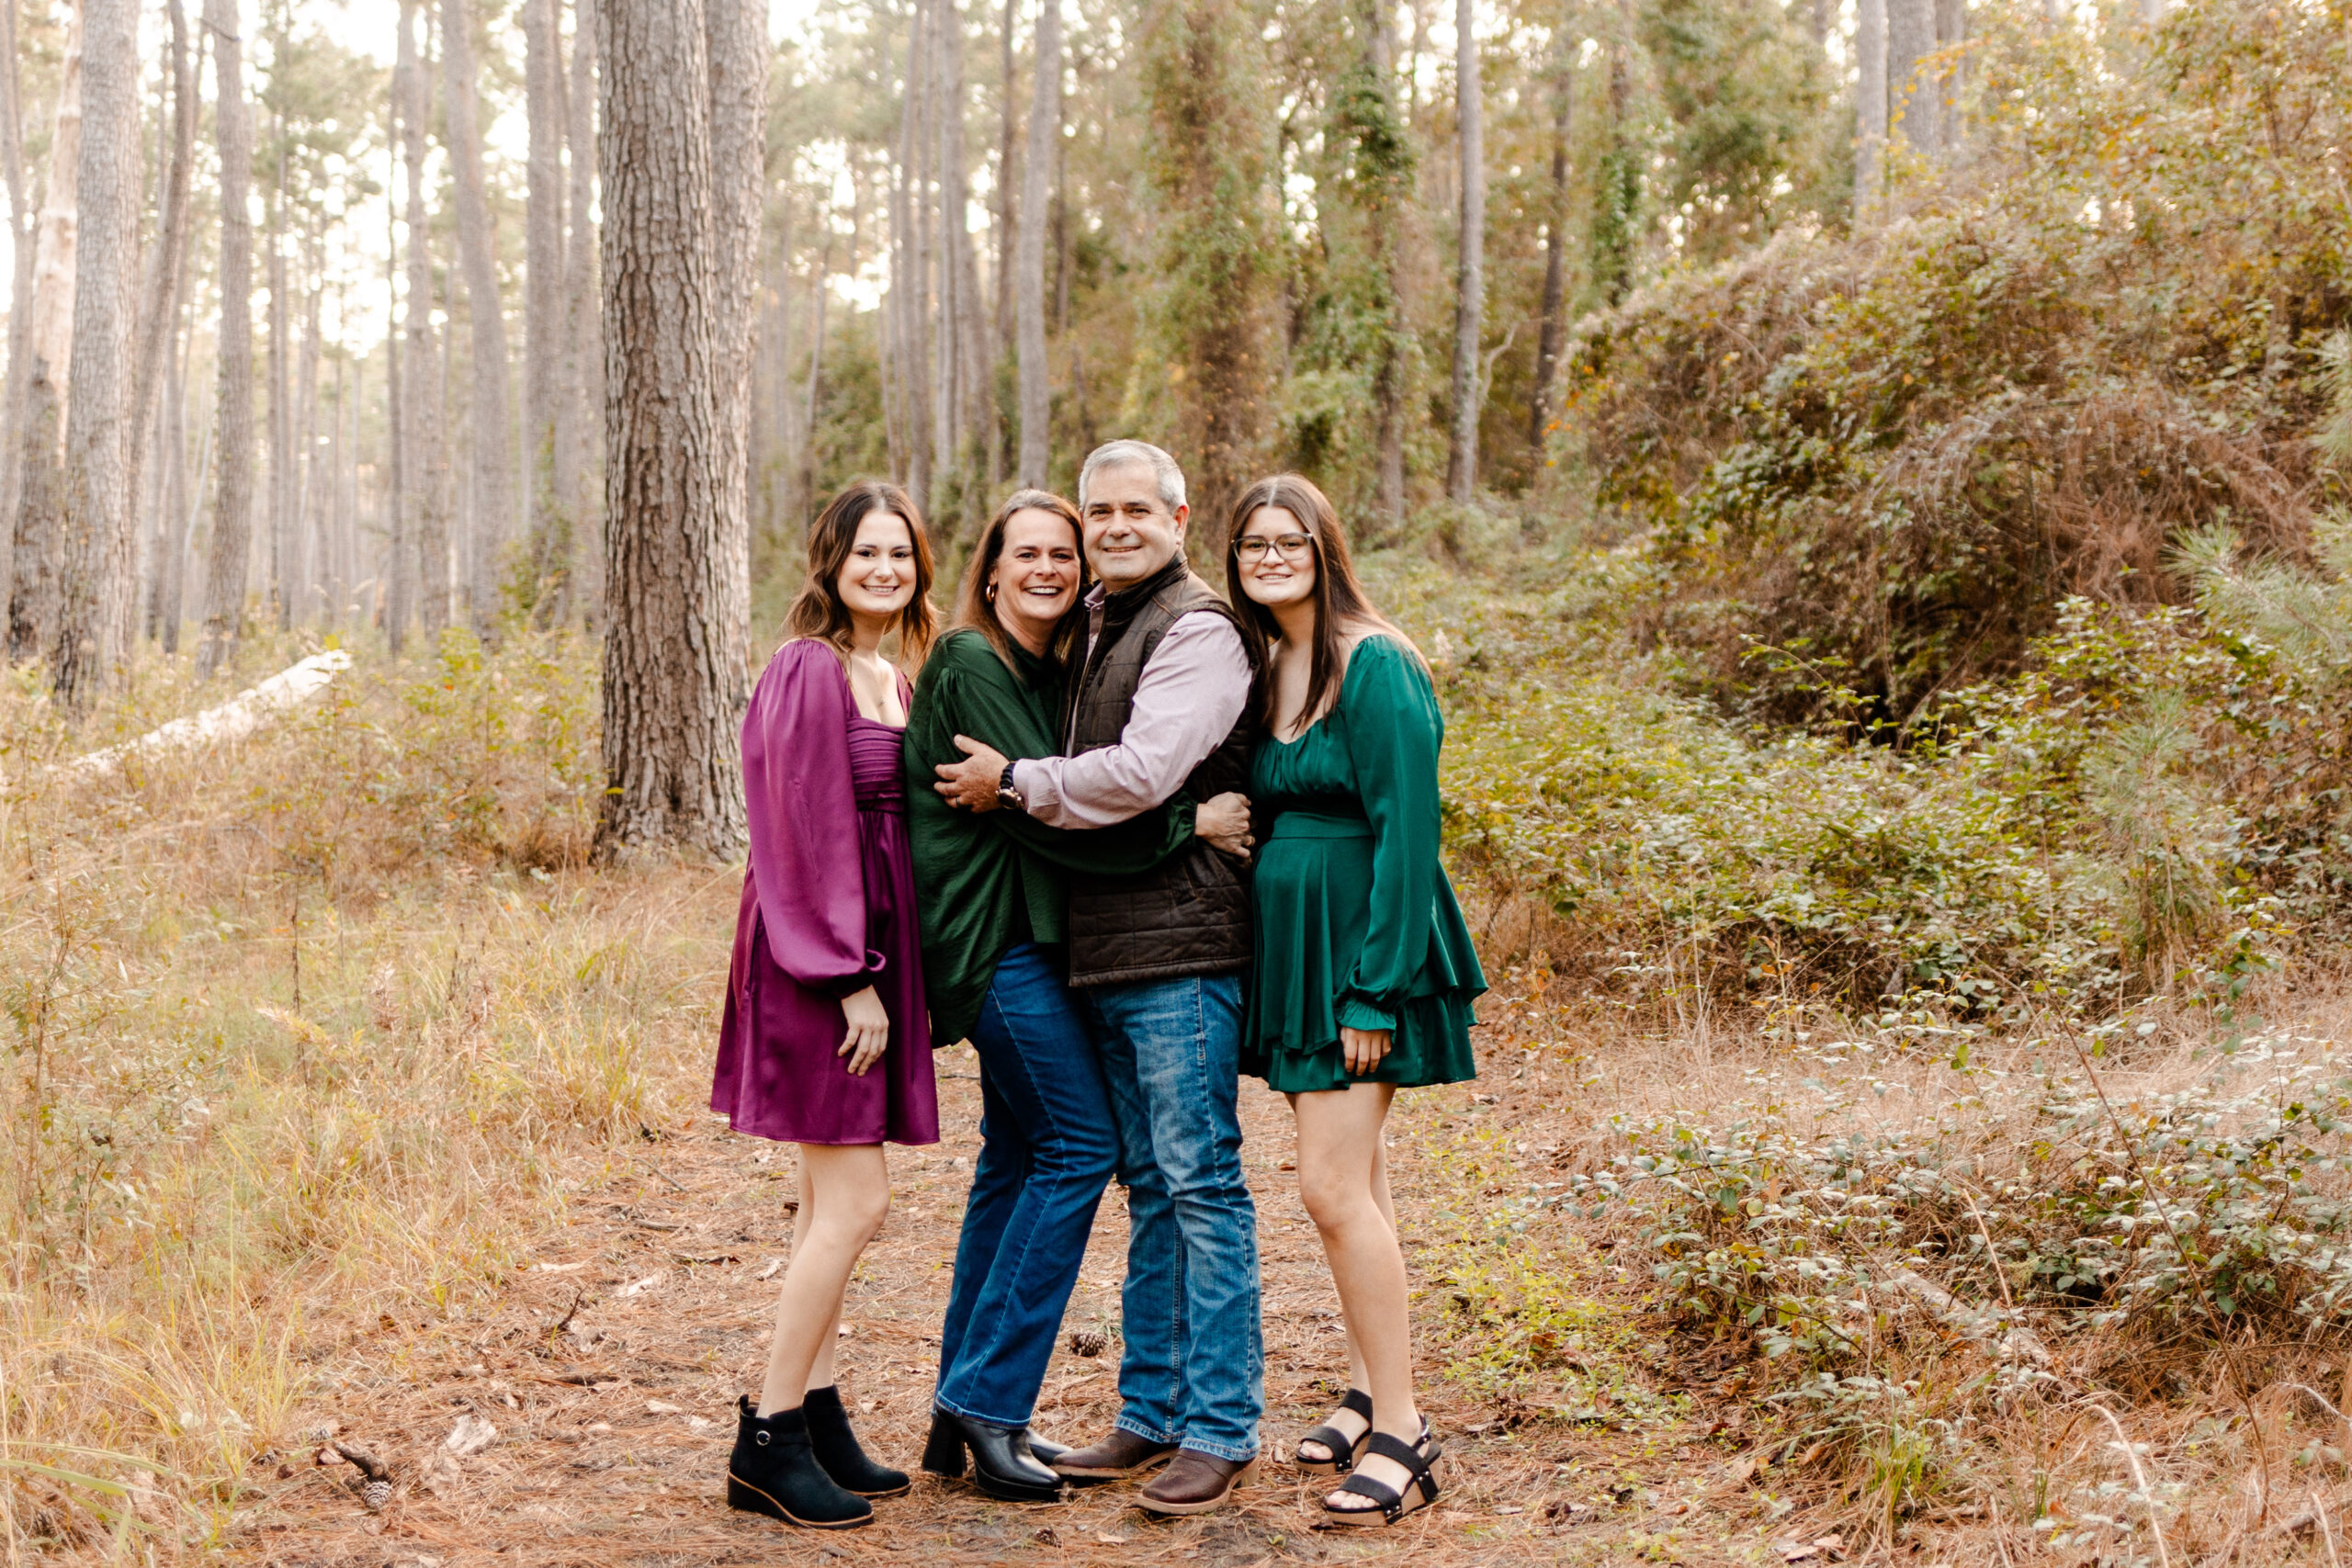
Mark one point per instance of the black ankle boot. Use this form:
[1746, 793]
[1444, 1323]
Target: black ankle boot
[772, 1471]
[837, 1449]
[1003, 1465]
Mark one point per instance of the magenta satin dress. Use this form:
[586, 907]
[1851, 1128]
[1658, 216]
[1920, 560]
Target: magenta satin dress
[829, 908]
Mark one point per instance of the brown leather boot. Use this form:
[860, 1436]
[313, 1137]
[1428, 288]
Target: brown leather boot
[1123, 1453]
[1197, 1484]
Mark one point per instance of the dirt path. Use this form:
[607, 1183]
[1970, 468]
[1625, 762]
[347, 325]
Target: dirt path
[612, 1435]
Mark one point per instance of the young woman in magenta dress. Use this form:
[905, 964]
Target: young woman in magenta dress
[825, 1042]
[1365, 973]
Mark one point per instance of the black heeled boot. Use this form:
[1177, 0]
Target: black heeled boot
[837, 1449]
[773, 1471]
[1003, 1465]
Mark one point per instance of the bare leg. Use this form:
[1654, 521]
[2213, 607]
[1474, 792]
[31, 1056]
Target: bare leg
[821, 1371]
[1342, 1177]
[845, 1196]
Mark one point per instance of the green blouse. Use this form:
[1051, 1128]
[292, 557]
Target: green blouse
[985, 881]
[1356, 922]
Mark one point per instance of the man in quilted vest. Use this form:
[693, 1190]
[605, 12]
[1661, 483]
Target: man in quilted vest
[1162, 701]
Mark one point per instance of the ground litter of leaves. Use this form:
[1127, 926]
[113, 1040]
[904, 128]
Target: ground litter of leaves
[584, 1415]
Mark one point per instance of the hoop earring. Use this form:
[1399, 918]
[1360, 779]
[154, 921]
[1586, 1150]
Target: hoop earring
[990, 596]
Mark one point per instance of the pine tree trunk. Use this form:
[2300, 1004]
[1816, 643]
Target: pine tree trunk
[543, 304]
[278, 369]
[491, 419]
[1555, 269]
[33, 589]
[20, 300]
[1910, 97]
[1045, 137]
[397, 578]
[233, 518]
[971, 412]
[309, 502]
[171, 548]
[672, 678]
[1870, 104]
[1470, 303]
[583, 390]
[738, 52]
[1385, 217]
[808, 486]
[427, 470]
[911, 283]
[1002, 222]
[159, 305]
[97, 582]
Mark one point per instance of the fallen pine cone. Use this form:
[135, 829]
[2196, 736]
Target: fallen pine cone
[1088, 1341]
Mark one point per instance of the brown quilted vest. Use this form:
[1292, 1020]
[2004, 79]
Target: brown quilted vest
[1190, 914]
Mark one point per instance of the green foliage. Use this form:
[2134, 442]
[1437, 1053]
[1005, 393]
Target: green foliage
[1898, 451]
[2204, 1209]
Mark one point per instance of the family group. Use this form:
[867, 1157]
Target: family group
[1132, 841]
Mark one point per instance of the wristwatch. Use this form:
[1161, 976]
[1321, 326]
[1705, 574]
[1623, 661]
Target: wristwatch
[1006, 796]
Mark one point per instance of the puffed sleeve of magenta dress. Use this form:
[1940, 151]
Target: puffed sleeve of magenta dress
[829, 908]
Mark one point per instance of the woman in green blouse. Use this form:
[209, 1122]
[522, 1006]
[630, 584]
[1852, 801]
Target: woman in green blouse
[1365, 973]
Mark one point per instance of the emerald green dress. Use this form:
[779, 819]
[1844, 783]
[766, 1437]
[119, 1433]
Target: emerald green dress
[1356, 923]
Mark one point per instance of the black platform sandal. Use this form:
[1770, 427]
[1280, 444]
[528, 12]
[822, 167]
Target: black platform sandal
[1335, 1444]
[1388, 1504]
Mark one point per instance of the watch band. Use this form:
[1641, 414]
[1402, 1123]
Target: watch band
[1006, 793]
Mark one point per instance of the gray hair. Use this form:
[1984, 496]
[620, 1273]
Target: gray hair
[1116, 454]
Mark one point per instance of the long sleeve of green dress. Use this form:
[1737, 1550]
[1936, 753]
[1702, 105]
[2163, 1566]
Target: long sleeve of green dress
[1393, 733]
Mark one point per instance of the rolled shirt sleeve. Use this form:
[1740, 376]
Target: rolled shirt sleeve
[1191, 695]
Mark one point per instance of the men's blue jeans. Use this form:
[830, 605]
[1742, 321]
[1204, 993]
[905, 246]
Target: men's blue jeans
[1048, 1145]
[1193, 1370]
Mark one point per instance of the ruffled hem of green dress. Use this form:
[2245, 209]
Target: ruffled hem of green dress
[1430, 1045]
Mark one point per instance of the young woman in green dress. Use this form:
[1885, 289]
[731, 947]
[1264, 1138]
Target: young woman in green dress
[1365, 972]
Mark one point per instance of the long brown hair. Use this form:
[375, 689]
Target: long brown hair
[819, 611]
[1340, 598]
[976, 609]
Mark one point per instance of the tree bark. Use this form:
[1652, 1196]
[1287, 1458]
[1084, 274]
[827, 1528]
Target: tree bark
[738, 52]
[1556, 267]
[543, 303]
[491, 420]
[1470, 303]
[233, 518]
[1045, 137]
[1870, 104]
[276, 368]
[1389, 168]
[1002, 221]
[673, 678]
[33, 589]
[159, 306]
[398, 575]
[808, 488]
[20, 302]
[1910, 97]
[911, 268]
[427, 470]
[97, 583]
[583, 392]
[308, 504]
[171, 546]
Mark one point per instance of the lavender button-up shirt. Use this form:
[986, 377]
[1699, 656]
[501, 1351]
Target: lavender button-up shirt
[1189, 698]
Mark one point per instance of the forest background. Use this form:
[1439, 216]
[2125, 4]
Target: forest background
[1870, 481]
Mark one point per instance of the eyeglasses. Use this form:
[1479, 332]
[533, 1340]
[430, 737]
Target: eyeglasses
[1291, 547]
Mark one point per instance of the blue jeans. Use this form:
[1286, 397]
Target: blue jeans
[1194, 1368]
[1048, 1146]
